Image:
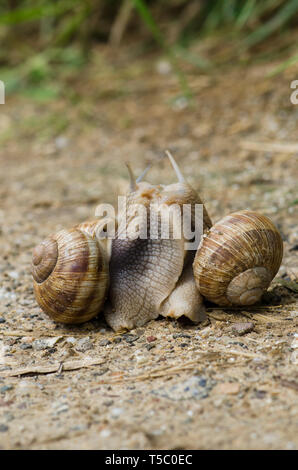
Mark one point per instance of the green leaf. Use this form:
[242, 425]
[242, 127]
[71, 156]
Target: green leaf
[283, 15]
[284, 65]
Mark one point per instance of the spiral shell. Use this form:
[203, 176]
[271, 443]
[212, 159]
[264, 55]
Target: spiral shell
[238, 258]
[70, 272]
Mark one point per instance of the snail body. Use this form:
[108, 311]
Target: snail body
[145, 273]
[238, 258]
[70, 273]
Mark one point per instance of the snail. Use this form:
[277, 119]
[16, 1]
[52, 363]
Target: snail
[143, 273]
[238, 258]
[153, 276]
[70, 273]
[148, 277]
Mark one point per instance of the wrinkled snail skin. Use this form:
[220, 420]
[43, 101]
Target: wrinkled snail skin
[142, 271]
[145, 272]
[185, 300]
[238, 258]
[71, 277]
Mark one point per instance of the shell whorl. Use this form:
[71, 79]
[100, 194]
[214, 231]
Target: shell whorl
[44, 259]
[238, 258]
[70, 272]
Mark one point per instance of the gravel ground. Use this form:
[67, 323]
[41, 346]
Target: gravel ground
[229, 383]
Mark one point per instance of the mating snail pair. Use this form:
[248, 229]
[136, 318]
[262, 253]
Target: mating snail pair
[77, 274]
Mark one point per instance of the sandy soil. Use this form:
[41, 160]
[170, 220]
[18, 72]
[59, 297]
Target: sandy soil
[169, 384]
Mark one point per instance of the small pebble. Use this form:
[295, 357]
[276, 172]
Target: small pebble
[181, 102]
[105, 433]
[61, 142]
[13, 274]
[71, 340]
[227, 388]
[100, 372]
[108, 402]
[239, 344]
[130, 338]
[117, 412]
[140, 359]
[9, 417]
[2, 320]
[196, 387]
[41, 344]
[5, 388]
[202, 382]
[84, 344]
[151, 338]
[205, 332]
[260, 394]
[3, 428]
[243, 328]
[25, 346]
[181, 335]
[149, 346]
[163, 67]
[59, 407]
[104, 342]
[79, 427]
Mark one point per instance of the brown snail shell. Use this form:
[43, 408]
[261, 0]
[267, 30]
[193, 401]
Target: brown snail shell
[238, 258]
[70, 272]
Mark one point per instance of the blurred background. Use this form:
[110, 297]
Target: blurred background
[90, 84]
[46, 44]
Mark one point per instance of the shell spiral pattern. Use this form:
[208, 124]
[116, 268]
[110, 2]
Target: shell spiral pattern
[238, 258]
[70, 272]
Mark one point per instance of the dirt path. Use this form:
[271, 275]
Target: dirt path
[169, 384]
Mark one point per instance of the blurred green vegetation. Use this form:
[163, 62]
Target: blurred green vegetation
[43, 39]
